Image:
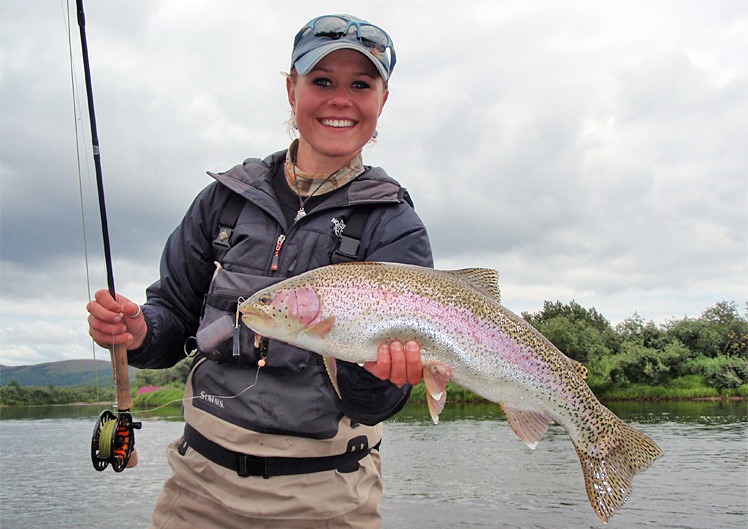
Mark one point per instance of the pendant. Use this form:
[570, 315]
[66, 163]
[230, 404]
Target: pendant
[299, 214]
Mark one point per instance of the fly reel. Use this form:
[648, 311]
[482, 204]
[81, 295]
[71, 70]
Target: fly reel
[113, 441]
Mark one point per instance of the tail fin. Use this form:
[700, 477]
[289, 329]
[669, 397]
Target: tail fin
[609, 470]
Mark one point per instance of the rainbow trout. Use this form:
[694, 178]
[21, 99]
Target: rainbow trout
[346, 311]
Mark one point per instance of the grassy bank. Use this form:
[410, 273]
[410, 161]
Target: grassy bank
[161, 397]
[684, 388]
[679, 389]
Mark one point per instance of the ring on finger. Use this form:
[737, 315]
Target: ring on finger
[140, 311]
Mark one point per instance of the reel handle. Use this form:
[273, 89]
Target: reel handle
[133, 461]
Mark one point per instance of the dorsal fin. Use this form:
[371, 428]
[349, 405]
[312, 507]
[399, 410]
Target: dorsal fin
[484, 279]
[580, 368]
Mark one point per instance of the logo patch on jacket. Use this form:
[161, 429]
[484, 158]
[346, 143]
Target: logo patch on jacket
[337, 226]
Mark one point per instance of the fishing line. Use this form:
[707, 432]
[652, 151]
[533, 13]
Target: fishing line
[186, 399]
[76, 107]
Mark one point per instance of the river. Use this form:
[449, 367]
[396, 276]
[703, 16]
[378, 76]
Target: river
[470, 471]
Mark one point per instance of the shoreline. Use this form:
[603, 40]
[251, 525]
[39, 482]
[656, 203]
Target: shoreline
[603, 399]
[731, 398]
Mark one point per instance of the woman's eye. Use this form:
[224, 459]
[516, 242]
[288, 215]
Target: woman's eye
[361, 85]
[322, 81]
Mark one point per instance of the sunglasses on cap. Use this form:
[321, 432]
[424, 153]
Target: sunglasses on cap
[336, 27]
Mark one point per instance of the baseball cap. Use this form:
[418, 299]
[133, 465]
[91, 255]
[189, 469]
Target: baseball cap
[328, 33]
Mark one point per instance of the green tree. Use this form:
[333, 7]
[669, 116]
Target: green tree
[174, 376]
[12, 393]
[582, 334]
[720, 330]
[635, 329]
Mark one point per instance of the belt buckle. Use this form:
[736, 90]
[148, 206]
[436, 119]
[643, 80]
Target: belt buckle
[252, 466]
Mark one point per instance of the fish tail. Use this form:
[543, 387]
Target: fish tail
[611, 465]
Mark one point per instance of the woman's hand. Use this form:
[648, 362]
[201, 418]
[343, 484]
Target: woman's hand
[115, 322]
[398, 363]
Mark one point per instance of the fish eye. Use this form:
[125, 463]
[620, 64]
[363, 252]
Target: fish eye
[264, 299]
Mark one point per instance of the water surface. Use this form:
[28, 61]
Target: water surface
[469, 471]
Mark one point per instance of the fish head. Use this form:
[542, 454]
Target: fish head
[283, 313]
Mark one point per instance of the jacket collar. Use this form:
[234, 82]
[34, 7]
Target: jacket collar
[253, 179]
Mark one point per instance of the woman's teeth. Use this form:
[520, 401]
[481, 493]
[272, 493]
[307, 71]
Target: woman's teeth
[338, 123]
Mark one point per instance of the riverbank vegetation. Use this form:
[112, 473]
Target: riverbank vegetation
[704, 357]
[685, 358]
[13, 394]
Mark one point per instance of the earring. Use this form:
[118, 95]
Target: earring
[295, 126]
[376, 133]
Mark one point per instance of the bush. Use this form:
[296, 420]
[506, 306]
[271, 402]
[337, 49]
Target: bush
[639, 364]
[727, 373]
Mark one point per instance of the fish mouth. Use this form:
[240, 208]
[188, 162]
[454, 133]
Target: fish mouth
[256, 320]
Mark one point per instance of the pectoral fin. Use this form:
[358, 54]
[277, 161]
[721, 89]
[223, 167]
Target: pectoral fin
[322, 328]
[435, 378]
[332, 372]
[528, 425]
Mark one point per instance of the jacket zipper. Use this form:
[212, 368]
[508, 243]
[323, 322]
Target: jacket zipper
[278, 245]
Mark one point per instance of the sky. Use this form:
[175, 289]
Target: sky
[589, 151]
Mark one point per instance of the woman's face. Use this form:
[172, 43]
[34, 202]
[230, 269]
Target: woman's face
[336, 106]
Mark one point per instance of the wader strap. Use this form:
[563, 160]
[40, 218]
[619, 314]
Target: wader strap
[350, 237]
[226, 223]
[248, 465]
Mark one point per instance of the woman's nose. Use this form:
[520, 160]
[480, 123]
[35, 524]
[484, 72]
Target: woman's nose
[340, 98]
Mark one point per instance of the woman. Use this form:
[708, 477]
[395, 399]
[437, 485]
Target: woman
[276, 446]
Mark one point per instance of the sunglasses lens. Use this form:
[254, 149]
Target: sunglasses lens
[373, 37]
[330, 27]
[336, 28]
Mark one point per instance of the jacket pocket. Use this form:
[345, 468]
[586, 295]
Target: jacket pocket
[221, 336]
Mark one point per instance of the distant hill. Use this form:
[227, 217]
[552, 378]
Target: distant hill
[64, 373]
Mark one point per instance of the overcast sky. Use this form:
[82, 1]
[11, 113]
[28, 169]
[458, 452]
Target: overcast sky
[589, 150]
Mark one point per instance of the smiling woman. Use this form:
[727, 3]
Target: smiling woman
[268, 440]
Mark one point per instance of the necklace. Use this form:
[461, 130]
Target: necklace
[302, 202]
[303, 182]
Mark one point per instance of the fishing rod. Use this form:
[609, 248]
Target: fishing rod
[113, 440]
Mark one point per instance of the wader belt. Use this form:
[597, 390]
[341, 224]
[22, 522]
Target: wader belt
[248, 465]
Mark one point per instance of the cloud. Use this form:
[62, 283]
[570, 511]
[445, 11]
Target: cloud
[588, 151]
